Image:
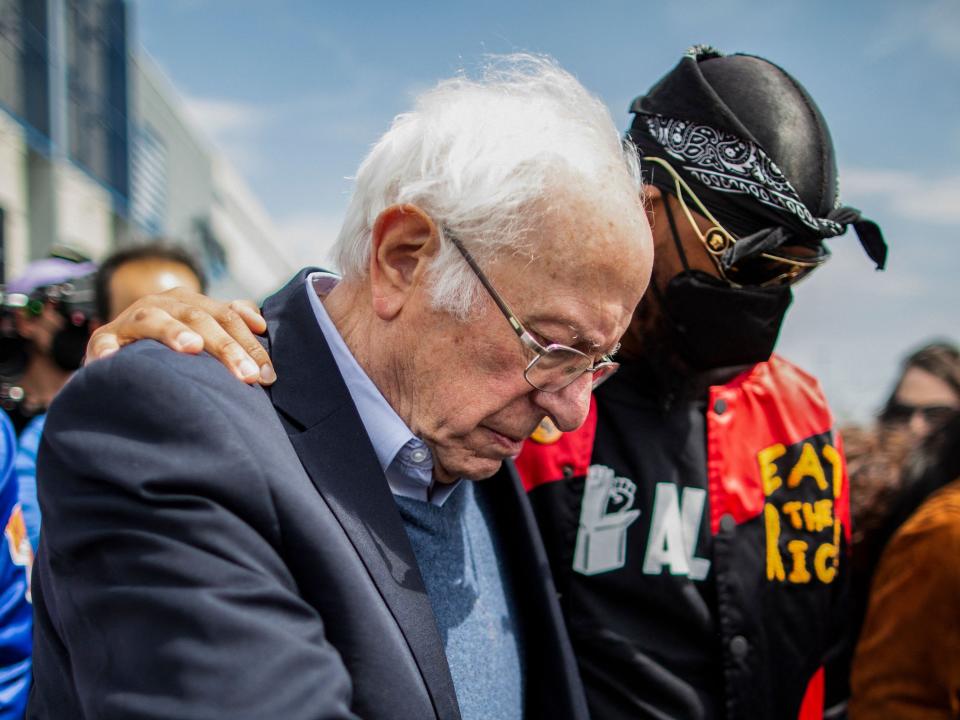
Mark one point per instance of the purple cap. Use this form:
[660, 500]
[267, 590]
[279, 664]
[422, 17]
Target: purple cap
[49, 271]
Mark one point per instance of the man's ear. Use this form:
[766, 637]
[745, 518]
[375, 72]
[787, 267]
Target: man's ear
[404, 242]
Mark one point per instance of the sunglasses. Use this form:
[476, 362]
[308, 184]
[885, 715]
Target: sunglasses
[771, 267]
[554, 366]
[902, 413]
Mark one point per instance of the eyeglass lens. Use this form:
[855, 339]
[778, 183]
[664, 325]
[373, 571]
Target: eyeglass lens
[559, 366]
[763, 271]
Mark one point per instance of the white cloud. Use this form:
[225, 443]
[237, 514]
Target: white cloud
[908, 195]
[935, 24]
[234, 127]
[941, 27]
[309, 236]
[218, 116]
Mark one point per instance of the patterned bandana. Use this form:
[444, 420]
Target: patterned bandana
[730, 172]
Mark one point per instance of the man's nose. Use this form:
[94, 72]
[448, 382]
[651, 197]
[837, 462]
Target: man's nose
[567, 407]
[918, 425]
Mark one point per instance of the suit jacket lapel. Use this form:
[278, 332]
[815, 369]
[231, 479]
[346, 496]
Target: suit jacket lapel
[331, 441]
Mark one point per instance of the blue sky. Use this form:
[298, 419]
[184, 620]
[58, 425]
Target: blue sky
[294, 92]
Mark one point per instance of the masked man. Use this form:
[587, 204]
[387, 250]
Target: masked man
[697, 522]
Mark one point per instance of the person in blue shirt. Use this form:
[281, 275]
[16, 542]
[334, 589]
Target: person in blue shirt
[52, 305]
[26, 469]
[16, 619]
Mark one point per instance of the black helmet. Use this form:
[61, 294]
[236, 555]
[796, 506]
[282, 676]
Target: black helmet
[752, 144]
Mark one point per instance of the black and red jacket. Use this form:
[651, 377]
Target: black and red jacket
[699, 544]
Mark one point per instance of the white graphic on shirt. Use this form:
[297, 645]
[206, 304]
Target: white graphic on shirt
[605, 515]
[674, 529]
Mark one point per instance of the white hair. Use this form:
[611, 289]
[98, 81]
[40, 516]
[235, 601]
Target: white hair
[477, 155]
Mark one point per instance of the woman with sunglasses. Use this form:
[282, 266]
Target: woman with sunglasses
[906, 663]
[927, 394]
[906, 516]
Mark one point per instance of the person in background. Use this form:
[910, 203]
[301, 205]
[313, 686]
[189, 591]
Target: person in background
[318, 549]
[925, 397]
[927, 394]
[124, 277]
[47, 320]
[48, 323]
[886, 487]
[16, 559]
[133, 272]
[907, 664]
[172, 274]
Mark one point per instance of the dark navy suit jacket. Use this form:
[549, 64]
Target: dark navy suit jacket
[214, 550]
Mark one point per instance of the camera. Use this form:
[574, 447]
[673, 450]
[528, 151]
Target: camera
[73, 299]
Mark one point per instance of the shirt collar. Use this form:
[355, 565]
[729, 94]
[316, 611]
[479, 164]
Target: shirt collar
[404, 458]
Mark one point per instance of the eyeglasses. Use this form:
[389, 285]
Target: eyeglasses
[553, 367]
[934, 415]
[761, 270]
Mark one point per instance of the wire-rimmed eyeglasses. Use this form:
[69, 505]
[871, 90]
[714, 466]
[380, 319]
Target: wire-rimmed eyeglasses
[762, 270]
[553, 366]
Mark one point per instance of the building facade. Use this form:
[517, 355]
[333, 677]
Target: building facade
[96, 152]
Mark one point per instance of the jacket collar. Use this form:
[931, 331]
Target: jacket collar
[332, 444]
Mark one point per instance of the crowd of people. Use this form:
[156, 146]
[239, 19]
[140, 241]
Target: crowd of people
[531, 454]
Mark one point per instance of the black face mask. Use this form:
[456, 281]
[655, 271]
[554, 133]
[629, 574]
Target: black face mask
[69, 345]
[715, 325]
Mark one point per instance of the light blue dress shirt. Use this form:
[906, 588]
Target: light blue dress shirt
[405, 459]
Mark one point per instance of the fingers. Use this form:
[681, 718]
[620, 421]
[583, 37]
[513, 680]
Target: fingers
[220, 332]
[188, 322]
[232, 338]
[101, 345]
[148, 323]
[251, 315]
[143, 322]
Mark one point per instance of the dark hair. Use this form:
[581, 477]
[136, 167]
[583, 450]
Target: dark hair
[160, 250]
[889, 481]
[941, 359]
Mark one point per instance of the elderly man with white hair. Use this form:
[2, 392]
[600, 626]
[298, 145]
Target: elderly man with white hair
[318, 549]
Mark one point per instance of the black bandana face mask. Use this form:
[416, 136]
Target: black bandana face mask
[715, 325]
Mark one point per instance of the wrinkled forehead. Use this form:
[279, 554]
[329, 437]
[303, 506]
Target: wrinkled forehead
[587, 267]
[595, 232]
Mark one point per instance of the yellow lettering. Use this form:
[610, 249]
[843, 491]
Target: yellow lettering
[807, 466]
[825, 553]
[833, 457]
[809, 517]
[823, 513]
[775, 570]
[792, 510]
[768, 467]
[798, 549]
